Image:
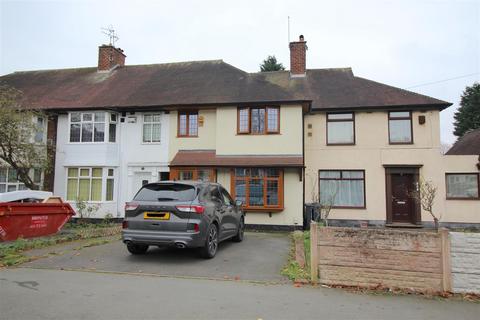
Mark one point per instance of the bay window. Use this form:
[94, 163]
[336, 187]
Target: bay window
[90, 184]
[258, 188]
[342, 188]
[463, 185]
[340, 129]
[92, 126]
[400, 127]
[255, 120]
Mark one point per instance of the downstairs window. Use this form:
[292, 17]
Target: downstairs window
[258, 188]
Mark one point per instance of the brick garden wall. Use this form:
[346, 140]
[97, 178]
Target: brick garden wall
[465, 251]
[381, 257]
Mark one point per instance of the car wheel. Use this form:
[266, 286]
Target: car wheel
[241, 229]
[211, 243]
[137, 248]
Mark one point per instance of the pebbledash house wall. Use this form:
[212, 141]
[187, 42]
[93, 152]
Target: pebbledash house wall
[372, 151]
[219, 132]
[132, 159]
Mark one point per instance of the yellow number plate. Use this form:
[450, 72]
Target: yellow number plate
[156, 215]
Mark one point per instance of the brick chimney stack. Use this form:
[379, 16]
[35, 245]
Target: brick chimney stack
[110, 57]
[298, 63]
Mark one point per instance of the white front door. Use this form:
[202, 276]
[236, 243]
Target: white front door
[140, 179]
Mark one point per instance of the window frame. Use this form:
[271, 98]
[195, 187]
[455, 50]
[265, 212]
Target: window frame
[18, 183]
[410, 117]
[346, 179]
[105, 176]
[265, 207]
[341, 120]
[187, 134]
[106, 127]
[175, 173]
[249, 114]
[40, 133]
[151, 123]
[462, 173]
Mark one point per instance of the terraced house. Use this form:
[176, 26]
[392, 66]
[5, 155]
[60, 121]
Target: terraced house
[275, 140]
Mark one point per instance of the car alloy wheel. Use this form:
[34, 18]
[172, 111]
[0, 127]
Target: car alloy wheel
[212, 240]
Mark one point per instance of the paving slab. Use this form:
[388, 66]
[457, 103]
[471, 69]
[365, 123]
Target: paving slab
[260, 257]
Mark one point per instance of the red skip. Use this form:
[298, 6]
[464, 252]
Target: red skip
[28, 220]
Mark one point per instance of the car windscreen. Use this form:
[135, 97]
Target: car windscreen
[166, 192]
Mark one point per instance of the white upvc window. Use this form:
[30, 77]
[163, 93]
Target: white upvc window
[90, 184]
[9, 179]
[88, 127]
[152, 128]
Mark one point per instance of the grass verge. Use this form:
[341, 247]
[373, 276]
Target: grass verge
[292, 269]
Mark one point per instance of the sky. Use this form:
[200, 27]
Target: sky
[404, 43]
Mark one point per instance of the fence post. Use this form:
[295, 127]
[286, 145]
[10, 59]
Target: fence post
[313, 252]
[446, 264]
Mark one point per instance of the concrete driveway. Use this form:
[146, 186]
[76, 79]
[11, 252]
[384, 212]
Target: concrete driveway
[260, 257]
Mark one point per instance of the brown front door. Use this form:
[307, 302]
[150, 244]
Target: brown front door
[403, 205]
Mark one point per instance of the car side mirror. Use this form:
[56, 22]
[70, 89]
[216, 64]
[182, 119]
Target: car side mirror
[238, 203]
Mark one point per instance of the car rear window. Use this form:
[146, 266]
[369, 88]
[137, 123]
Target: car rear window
[166, 192]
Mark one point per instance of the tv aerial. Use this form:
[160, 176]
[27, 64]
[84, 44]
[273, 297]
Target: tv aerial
[110, 32]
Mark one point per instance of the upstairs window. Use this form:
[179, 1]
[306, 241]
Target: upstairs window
[255, 120]
[151, 128]
[40, 130]
[187, 124]
[112, 128]
[340, 129]
[400, 127]
[91, 127]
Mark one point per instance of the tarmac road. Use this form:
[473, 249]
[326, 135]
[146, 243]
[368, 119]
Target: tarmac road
[27, 293]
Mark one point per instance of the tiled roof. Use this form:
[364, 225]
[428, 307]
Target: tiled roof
[170, 84]
[206, 83]
[469, 144]
[341, 89]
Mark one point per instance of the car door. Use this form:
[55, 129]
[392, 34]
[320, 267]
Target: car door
[232, 218]
[220, 210]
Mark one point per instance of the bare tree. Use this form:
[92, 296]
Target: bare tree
[327, 203]
[18, 148]
[321, 205]
[425, 194]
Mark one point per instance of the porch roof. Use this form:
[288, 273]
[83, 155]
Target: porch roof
[209, 158]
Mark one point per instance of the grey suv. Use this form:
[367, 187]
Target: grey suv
[191, 214]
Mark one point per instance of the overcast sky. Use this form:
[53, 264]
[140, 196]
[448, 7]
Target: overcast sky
[399, 42]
